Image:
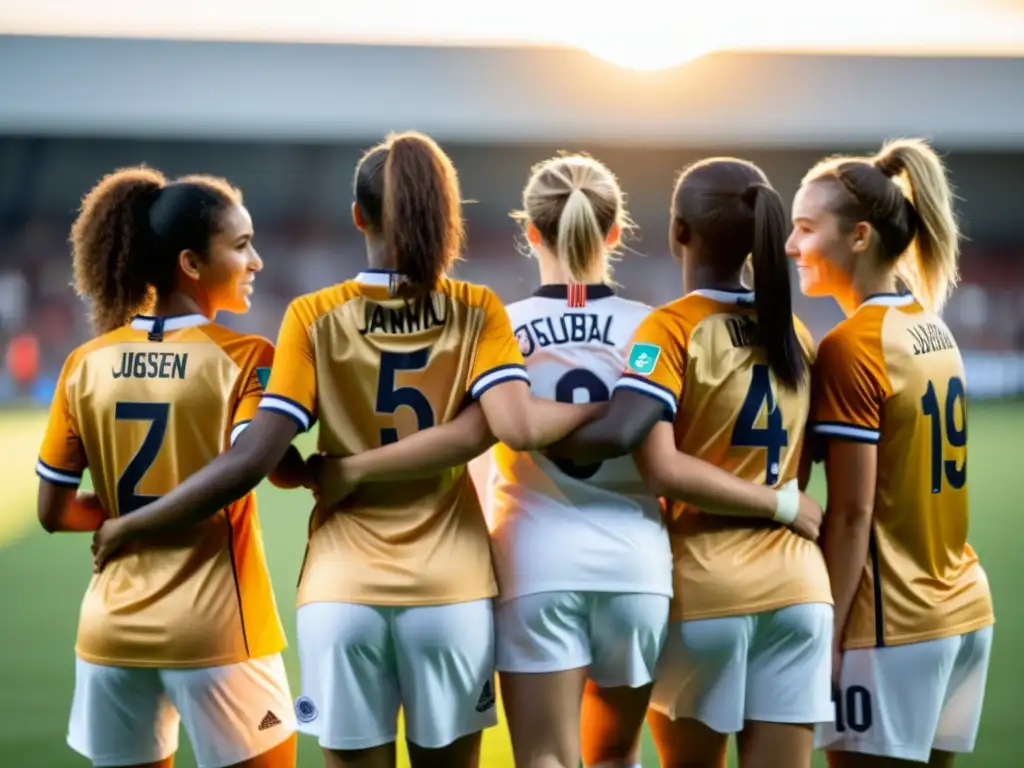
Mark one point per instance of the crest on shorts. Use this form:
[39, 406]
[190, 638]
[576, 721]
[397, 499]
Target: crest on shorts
[486, 700]
[643, 358]
[305, 709]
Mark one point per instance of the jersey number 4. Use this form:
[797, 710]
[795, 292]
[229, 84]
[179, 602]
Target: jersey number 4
[156, 414]
[773, 437]
[956, 436]
[390, 398]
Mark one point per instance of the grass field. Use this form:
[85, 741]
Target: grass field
[42, 578]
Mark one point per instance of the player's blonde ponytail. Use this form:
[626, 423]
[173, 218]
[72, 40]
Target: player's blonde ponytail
[903, 192]
[929, 266]
[575, 203]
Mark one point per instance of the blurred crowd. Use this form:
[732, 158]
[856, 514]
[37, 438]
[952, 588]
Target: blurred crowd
[42, 319]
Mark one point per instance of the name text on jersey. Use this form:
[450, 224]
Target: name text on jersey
[569, 328]
[151, 365]
[930, 337]
[408, 317]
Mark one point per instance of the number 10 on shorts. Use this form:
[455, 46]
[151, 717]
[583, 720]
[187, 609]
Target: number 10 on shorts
[853, 709]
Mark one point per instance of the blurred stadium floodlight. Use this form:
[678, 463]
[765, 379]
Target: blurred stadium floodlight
[646, 34]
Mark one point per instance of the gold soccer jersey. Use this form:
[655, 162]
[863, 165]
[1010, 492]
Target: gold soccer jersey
[891, 375]
[144, 407]
[372, 366]
[699, 357]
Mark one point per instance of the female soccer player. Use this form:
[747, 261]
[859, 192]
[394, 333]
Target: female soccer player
[913, 612]
[183, 627]
[395, 594]
[748, 649]
[724, 567]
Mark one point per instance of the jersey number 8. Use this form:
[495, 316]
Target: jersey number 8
[597, 392]
[773, 437]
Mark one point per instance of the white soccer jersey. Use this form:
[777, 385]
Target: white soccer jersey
[560, 527]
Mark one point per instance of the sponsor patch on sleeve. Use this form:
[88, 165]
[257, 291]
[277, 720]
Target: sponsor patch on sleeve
[643, 358]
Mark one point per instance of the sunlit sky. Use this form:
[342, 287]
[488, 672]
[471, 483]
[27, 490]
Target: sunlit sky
[640, 34]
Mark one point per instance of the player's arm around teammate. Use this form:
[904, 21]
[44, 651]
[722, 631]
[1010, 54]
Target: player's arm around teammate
[181, 251]
[912, 630]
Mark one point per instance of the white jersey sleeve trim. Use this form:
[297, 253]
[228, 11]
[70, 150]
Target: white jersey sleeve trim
[58, 476]
[649, 388]
[496, 376]
[846, 431]
[288, 408]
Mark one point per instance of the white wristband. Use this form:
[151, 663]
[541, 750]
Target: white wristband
[787, 503]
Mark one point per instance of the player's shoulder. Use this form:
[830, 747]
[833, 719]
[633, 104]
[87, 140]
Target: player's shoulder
[82, 352]
[240, 347]
[471, 294]
[307, 308]
[858, 334]
[684, 313]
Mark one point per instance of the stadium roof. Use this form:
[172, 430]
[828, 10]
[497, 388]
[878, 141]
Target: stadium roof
[513, 94]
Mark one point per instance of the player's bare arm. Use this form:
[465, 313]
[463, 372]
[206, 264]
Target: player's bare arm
[527, 423]
[63, 509]
[673, 474]
[421, 454]
[619, 431]
[225, 479]
[851, 469]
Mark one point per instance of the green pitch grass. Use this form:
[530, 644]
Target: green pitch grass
[42, 579]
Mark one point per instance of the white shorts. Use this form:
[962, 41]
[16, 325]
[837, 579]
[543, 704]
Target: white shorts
[903, 701]
[774, 667]
[130, 715]
[618, 636]
[360, 663]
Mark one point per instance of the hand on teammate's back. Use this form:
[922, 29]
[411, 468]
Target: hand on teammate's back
[808, 518]
[332, 482]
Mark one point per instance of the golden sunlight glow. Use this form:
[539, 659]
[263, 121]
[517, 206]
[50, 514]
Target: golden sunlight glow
[638, 34]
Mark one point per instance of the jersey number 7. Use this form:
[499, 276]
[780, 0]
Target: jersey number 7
[773, 437]
[156, 414]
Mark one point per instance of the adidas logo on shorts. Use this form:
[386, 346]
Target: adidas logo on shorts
[486, 700]
[269, 721]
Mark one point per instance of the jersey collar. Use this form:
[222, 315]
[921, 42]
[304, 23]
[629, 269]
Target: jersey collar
[381, 277]
[171, 323]
[726, 296]
[888, 300]
[561, 291]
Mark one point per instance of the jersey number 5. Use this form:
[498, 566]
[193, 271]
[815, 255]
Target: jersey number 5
[956, 401]
[391, 398]
[773, 437]
[156, 414]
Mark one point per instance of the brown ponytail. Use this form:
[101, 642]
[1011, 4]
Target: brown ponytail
[733, 210]
[408, 191]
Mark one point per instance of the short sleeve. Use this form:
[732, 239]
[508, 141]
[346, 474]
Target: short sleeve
[848, 390]
[291, 388]
[255, 377]
[62, 458]
[656, 362]
[497, 358]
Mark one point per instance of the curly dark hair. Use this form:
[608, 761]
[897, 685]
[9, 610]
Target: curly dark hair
[129, 232]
